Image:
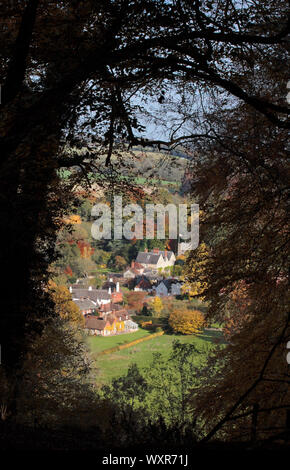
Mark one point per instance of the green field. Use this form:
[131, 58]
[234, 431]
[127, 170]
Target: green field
[116, 364]
[98, 343]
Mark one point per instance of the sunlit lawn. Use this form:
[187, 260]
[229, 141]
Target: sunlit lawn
[98, 343]
[116, 364]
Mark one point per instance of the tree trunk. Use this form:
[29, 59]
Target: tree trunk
[24, 216]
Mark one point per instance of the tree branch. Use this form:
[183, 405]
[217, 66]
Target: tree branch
[218, 426]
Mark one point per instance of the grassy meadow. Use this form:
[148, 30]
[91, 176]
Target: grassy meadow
[114, 365]
[98, 343]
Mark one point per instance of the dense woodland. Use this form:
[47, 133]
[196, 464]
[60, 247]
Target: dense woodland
[81, 255]
[82, 84]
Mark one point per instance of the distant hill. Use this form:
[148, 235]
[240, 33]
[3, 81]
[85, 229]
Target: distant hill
[179, 151]
[146, 166]
[159, 165]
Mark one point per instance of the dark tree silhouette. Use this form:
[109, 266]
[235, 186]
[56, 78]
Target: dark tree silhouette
[69, 65]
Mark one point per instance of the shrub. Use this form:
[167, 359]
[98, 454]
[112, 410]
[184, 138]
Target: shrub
[186, 322]
[145, 324]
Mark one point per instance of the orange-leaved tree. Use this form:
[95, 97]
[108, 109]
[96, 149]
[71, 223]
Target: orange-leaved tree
[186, 322]
[135, 300]
[237, 310]
[64, 306]
[196, 284]
[241, 185]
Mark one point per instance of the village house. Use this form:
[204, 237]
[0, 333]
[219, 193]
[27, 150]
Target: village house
[111, 293]
[130, 273]
[116, 277]
[110, 324]
[142, 284]
[86, 306]
[130, 326]
[156, 260]
[117, 296]
[113, 289]
[134, 270]
[153, 276]
[109, 308]
[98, 296]
[97, 326]
[168, 287]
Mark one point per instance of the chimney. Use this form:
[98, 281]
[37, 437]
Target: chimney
[118, 287]
[132, 264]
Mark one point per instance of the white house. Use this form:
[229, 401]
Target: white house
[130, 326]
[86, 306]
[98, 296]
[168, 287]
[156, 259]
[134, 270]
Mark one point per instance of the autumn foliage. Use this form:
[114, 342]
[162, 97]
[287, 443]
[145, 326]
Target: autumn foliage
[85, 249]
[157, 306]
[64, 306]
[68, 271]
[73, 219]
[195, 282]
[186, 322]
[135, 300]
[242, 187]
[237, 310]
